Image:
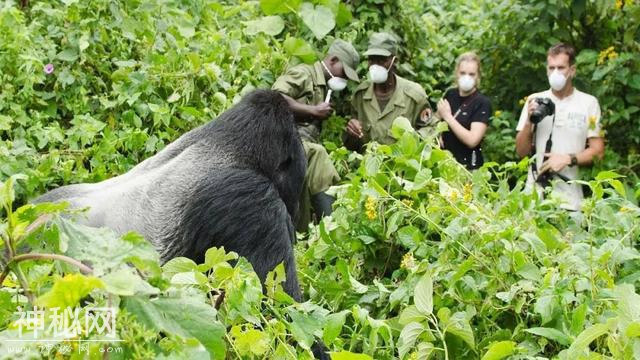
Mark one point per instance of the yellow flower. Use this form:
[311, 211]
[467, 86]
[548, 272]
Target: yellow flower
[370, 207]
[497, 113]
[468, 192]
[408, 262]
[454, 195]
[608, 53]
[619, 4]
[407, 202]
[592, 122]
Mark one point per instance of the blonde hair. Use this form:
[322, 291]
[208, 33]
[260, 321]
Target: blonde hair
[469, 56]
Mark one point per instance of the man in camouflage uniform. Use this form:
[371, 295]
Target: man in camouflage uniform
[386, 96]
[305, 87]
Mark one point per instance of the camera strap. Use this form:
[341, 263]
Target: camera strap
[547, 147]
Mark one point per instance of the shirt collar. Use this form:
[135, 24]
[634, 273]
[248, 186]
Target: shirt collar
[319, 74]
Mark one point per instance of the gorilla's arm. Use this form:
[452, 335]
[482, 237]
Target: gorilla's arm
[242, 211]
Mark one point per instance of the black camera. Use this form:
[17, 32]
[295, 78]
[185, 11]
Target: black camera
[545, 108]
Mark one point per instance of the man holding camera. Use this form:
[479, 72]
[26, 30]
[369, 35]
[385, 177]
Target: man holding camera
[561, 128]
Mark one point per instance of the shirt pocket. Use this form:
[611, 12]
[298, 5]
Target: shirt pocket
[577, 121]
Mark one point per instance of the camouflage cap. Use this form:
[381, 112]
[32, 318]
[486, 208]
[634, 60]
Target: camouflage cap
[348, 57]
[382, 44]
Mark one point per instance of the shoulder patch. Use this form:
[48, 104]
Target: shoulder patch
[415, 91]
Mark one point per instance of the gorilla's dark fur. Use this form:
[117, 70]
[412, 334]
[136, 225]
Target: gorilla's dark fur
[234, 182]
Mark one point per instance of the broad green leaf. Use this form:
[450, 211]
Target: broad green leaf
[334, 325]
[425, 349]
[69, 290]
[607, 175]
[178, 265]
[68, 55]
[411, 314]
[408, 337]
[299, 48]
[183, 316]
[458, 325]
[127, 282]
[317, 18]
[500, 350]
[400, 126]
[580, 345]
[272, 7]
[347, 355]
[356, 286]
[552, 334]
[104, 249]
[344, 16]
[423, 296]
[250, 342]
[270, 25]
[303, 326]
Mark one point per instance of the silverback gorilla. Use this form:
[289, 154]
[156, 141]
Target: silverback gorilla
[233, 182]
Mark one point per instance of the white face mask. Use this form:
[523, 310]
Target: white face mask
[335, 83]
[466, 83]
[557, 80]
[378, 74]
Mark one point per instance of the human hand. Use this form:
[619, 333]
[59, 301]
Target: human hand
[444, 110]
[354, 128]
[425, 114]
[322, 110]
[555, 162]
[532, 105]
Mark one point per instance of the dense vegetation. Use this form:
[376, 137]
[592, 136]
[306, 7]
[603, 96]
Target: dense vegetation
[421, 258]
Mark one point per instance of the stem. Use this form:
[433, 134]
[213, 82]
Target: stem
[24, 283]
[82, 267]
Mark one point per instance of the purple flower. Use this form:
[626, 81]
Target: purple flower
[48, 69]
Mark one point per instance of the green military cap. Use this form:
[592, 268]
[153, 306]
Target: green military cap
[348, 57]
[382, 44]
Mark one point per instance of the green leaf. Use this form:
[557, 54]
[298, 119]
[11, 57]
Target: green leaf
[423, 296]
[344, 16]
[250, 342]
[69, 290]
[184, 316]
[347, 355]
[400, 125]
[270, 25]
[319, 19]
[303, 326]
[299, 48]
[580, 345]
[104, 249]
[272, 7]
[127, 282]
[68, 55]
[552, 334]
[500, 350]
[458, 325]
[408, 337]
[411, 314]
[607, 175]
[634, 81]
[334, 325]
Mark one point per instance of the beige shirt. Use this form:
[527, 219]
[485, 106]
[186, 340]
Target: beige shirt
[577, 119]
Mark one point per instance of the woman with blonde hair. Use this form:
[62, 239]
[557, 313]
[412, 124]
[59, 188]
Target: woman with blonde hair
[467, 113]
